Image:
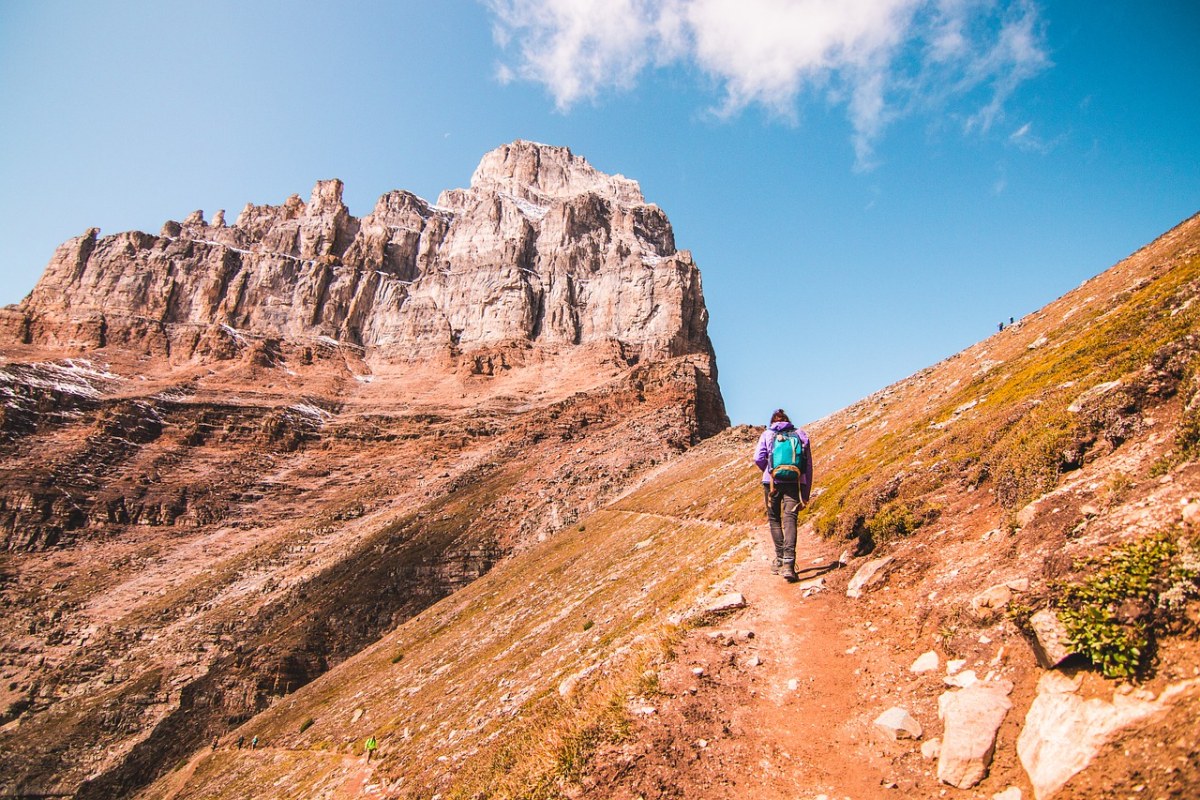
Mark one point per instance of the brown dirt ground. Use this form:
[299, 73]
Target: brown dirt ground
[776, 712]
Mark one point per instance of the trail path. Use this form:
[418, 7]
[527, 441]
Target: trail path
[802, 725]
[774, 715]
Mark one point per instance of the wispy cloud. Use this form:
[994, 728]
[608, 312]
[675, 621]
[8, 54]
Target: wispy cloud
[879, 59]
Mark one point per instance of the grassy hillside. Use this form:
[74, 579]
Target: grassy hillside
[508, 684]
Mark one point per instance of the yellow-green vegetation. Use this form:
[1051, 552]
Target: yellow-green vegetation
[1018, 424]
[508, 687]
[306, 724]
[1114, 614]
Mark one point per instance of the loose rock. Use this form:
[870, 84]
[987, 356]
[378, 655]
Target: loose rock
[868, 575]
[1063, 732]
[1051, 643]
[926, 662]
[971, 717]
[899, 724]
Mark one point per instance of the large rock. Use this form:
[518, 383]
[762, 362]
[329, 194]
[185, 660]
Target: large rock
[1063, 732]
[971, 717]
[869, 574]
[542, 248]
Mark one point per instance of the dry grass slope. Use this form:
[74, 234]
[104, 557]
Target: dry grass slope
[505, 688]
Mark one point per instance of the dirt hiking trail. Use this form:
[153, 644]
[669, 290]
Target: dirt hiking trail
[767, 703]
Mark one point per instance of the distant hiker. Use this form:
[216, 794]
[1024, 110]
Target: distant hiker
[254, 743]
[1011, 320]
[214, 744]
[241, 741]
[785, 457]
[1000, 327]
[370, 747]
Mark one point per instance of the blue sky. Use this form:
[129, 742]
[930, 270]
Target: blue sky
[903, 173]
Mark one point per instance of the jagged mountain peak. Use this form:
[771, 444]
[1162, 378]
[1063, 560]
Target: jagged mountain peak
[540, 173]
[541, 249]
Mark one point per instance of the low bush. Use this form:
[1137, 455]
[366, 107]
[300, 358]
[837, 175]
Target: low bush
[1114, 614]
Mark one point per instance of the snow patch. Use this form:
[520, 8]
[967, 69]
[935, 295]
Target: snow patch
[233, 333]
[71, 376]
[312, 412]
[531, 211]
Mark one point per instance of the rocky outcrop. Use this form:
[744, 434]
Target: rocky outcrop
[541, 248]
[1064, 732]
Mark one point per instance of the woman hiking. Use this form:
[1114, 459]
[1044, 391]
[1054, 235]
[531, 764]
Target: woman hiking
[785, 457]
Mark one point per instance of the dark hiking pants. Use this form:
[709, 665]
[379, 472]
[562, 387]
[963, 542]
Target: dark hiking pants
[782, 507]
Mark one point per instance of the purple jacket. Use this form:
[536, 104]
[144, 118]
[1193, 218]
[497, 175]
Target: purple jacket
[762, 454]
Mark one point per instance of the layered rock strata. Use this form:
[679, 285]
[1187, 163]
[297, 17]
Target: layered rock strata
[540, 248]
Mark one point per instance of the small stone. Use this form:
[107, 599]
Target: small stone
[753, 661]
[698, 672]
[1018, 584]
[726, 602]
[1011, 793]
[899, 724]
[962, 680]
[926, 662]
[868, 575]
[954, 665]
[990, 600]
[930, 749]
[1191, 514]
[971, 718]
[793, 685]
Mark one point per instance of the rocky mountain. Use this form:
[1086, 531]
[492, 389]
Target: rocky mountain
[235, 455]
[541, 249]
[1000, 598]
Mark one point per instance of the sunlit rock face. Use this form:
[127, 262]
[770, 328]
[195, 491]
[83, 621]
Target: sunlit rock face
[542, 249]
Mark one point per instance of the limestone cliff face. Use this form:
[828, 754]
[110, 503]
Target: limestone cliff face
[542, 248]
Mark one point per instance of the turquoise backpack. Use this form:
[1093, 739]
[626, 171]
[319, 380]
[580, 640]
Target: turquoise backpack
[787, 458]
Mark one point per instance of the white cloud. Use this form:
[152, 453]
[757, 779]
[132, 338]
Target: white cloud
[878, 58]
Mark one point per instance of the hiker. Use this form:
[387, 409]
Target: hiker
[214, 744]
[785, 457]
[241, 741]
[370, 747]
[254, 743]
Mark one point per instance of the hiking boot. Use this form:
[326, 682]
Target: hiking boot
[776, 566]
[788, 571]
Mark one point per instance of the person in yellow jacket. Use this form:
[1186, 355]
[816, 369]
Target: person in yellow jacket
[371, 746]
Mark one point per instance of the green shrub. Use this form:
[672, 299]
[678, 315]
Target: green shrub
[899, 518]
[1187, 440]
[306, 724]
[1113, 614]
